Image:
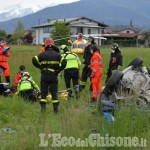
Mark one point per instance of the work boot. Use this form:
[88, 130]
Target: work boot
[76, 87]
[43, 106]
[70, 96]
[55, 106]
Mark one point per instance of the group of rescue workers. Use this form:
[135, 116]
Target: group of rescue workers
[51, 61]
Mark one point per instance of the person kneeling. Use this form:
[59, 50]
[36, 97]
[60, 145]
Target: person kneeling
[27, 88]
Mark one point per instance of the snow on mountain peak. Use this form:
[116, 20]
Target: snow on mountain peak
[23, 9]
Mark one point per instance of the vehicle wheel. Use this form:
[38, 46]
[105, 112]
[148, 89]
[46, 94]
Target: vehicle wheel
[113, 80]
[136, 62]
[112, 83]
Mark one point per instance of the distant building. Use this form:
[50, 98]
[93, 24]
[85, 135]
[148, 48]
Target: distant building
[78, 25]
[144, 39]
[128, 34]
[125, 33]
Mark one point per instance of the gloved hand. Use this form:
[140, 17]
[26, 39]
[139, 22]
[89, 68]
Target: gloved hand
[91, 76]
[5, 50]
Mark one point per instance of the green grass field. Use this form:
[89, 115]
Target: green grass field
[75, 118]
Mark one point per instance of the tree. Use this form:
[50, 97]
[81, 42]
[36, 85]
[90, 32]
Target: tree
[9, 39]
[60, 33]
[2, 34]
[28, 38]
[19, 32]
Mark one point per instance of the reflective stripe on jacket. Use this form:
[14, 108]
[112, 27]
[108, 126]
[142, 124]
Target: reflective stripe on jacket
[96, 63]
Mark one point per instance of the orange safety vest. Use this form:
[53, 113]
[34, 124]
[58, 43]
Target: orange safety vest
[3, 57]
[96, 63]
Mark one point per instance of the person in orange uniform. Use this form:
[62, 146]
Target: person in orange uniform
[17, 78]
[96, 74]
[4, 53]
[42, 48]
[19, 74]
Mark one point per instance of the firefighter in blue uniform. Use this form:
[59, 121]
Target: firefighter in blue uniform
[50, 63]
[115, 60]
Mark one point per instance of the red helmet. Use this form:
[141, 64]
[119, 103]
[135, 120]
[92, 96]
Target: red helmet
[49, 41]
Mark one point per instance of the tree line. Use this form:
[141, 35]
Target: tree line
[21, 36]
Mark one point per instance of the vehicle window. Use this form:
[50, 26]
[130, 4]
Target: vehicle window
[81, 46]
[74, 45]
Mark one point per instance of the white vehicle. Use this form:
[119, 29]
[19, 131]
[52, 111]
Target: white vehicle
[133, 83]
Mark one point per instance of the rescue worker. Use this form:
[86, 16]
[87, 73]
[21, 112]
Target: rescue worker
[27, 88]
[42, 48]
[56, 49]
[4, 53]
[19, 75]
[3, 86]
[17, 78]
[96, 74]
[87, 57]
[71, 72]
[115, 60]
[49, 63]
[80, 39]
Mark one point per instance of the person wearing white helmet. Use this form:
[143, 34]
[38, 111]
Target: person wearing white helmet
[27, 88]
[71, 72]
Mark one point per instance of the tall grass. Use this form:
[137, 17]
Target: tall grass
[76, 118]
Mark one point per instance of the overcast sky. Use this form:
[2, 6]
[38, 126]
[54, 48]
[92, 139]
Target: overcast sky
[5, 3]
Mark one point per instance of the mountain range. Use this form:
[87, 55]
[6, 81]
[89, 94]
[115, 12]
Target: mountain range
[16, 11]
[116, 12]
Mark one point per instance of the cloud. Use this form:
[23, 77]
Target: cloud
[9, 3]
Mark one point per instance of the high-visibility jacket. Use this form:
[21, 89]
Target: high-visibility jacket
[73, 60]
[96, 63]
[26, 83]
[3, 57]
